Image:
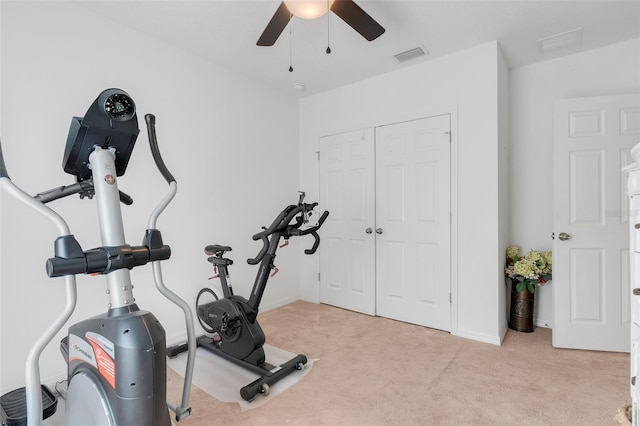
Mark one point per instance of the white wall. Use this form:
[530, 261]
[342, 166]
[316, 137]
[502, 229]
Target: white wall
[609, 70]
[466, 82]
[230, 142]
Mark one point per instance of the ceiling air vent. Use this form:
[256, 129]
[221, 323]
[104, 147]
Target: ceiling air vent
[410, 54]
[569, 38]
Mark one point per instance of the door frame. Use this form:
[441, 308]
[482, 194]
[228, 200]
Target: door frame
[452, 110]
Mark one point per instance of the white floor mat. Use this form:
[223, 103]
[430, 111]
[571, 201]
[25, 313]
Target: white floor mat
[223, 379]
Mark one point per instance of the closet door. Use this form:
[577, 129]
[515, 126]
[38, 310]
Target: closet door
[413, 266]
[386, 244]
[347, 252]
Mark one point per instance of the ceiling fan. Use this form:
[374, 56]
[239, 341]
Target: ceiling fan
[347, 10]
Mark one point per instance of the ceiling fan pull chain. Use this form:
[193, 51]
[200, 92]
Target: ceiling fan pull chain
[290, 48]
[328, 9]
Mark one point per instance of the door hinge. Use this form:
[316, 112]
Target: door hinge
[448, 133]
[318, 154]
[318, 276]
[450, 298]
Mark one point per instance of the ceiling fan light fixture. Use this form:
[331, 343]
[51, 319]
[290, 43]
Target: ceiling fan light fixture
[308, 9]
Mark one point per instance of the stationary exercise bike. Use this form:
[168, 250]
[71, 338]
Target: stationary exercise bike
[232, 320]
[116, 361]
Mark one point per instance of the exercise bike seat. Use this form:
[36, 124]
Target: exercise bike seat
[215, 252]
[216, 249]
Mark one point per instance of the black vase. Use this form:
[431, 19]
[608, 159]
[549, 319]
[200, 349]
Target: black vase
[521, 318]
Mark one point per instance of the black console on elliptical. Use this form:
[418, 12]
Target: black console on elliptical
[232, 319]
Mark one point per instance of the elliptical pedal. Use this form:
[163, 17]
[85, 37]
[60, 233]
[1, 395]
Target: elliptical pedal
[13, 406]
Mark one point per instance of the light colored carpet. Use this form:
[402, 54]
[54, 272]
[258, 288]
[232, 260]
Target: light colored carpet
[376, 371]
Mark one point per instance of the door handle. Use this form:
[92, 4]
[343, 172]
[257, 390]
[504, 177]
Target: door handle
[368, 230]
[379, 231]
[563, 236]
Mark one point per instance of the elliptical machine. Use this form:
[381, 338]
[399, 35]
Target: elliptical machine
[232, 320]
[117, 360]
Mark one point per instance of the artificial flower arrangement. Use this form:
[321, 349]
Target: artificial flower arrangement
[529, 270]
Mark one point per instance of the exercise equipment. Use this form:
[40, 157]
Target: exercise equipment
[116, 361]
[232, 319]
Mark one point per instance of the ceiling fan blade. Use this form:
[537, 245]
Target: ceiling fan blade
[275, 26]
[358, 19]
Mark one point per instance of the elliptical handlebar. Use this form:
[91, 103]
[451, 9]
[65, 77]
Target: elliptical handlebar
[183, 409]
[33, 396]
[84, 188]
[150, 119]
[3, 168]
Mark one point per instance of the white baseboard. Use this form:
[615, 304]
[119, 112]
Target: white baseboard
[539, 322]
[485, 338]
[265, 308]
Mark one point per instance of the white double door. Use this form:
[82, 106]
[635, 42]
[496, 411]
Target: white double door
[386, 244]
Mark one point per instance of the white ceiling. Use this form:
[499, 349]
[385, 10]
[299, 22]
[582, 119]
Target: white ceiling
[225, 32]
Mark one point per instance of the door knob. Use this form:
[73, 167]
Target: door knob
[368, 230]
[563, 236]
[379, 231]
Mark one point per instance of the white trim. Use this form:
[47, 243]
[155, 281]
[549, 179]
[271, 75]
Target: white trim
[485, 338]
[453, 200]
[543, 323]
[279, 304]
[503, 330]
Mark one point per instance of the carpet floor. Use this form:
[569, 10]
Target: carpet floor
[376, 371]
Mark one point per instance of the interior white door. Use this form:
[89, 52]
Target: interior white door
[413, 221]
[592, 142]
[347, 191]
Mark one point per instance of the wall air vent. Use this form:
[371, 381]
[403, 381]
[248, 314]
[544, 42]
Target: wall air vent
[410, 54]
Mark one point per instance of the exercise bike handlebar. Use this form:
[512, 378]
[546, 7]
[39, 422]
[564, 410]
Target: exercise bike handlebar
[282, 223]
[270, 230]
[314, 231]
